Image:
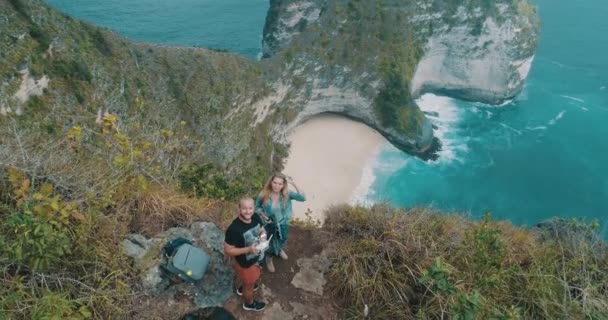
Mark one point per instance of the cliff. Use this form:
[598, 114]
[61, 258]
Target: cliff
[370, 60]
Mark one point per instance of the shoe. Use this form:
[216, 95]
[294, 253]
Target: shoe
[283, 255]
[254, 306]
[239, 290]
[270, 265]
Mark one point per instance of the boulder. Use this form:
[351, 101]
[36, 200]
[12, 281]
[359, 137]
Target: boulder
[215, 287]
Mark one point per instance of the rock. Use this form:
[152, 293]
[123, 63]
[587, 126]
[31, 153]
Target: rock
[152, 280]
[571, 233]
[135, 246]
[311, 276]
[306, 311]
[215, 287]
[276, 312]
[478, 57]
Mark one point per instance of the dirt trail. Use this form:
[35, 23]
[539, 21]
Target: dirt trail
[285, 301]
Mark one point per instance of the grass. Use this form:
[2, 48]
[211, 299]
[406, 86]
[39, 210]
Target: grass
[422, 264]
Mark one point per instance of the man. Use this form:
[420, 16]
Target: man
[241, 236]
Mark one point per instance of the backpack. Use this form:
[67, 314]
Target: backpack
[183, 259]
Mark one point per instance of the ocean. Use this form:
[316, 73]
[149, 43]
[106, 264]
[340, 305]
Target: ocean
[543, 154]
[233, 25]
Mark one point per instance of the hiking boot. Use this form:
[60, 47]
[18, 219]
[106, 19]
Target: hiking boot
[254, 306]
[239, 290]
[269, 264]
[283, 255]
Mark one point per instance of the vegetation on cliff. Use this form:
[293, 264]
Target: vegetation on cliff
[420, 264]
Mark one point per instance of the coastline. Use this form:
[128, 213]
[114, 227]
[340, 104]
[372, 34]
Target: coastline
[328, 159]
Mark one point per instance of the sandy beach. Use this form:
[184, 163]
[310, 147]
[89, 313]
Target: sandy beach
[327, 157]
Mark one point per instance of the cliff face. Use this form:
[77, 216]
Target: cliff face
[476, 53]
[369, 60]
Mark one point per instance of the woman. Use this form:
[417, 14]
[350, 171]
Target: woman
[274, 206]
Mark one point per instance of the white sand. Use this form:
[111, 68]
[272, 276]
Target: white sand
[327, 157]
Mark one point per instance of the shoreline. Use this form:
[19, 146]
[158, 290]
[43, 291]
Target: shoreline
[328, 158]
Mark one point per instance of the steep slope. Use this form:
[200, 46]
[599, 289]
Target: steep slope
[58, 72]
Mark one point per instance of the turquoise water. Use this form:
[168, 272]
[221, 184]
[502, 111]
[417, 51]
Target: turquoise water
[544, 154]
[234, 25]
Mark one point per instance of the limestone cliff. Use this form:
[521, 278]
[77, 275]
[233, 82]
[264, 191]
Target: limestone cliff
[369, 60]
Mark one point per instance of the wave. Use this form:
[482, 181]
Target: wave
[536, 128]
[384, 162]
[571, 98]
[511, 128]
[444, 114]
[559, 64]
[361, 196]
[505, 103]
[559, 116]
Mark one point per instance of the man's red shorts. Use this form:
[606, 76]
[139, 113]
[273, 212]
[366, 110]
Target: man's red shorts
[249, 276]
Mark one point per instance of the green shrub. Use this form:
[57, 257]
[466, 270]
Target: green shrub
[53, 306]
[419, 264]
[31, 241]
[43, 39]
[99, 41]
[20, 8]
[207, 181]
[71, 70]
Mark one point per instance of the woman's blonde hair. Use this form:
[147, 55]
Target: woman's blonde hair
[265, 194]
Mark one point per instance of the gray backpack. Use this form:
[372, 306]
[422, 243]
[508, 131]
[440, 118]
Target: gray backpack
[183, 259]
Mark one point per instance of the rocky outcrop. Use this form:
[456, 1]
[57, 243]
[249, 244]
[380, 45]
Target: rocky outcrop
[215, 287]
[286, 19]
[481, 56]
[369, 60]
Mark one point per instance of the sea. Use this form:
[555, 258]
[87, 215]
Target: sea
[544, 154]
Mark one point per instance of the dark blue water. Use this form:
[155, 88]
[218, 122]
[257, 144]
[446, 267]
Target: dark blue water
[234, 25]
[545, 154]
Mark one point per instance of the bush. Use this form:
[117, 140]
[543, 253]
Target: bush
[420, 264]
[32, 241]
[207, 181]
[98, 39]
[71, 70]
[43, 39]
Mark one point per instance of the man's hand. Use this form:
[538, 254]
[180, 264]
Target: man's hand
[254, 250]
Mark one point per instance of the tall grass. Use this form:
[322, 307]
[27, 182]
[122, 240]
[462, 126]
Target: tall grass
[422, 264]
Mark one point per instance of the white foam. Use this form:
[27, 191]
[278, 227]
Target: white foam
[536, 128]
[444, 114]
[511, 128]
[385, 162]
[448, 116]
[561, 65]
[571, 98]
[361, 195]
[559, 116]
[505, 103]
